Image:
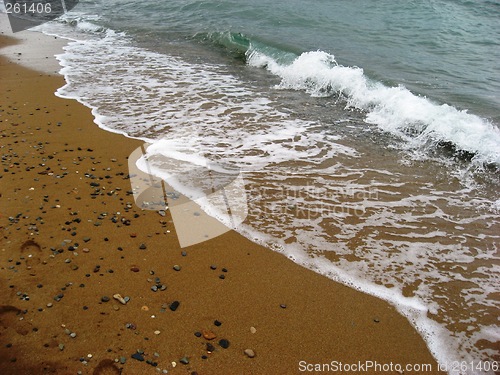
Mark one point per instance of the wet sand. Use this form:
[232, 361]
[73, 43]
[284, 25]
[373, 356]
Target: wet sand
[72, 238]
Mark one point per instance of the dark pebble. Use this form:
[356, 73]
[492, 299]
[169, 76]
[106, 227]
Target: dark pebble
[138, 357]
[174, 305]
[224, 343]
[105, 299]
[224, 270]
[184, 360]
[283, 306]
[217, 323]
[210, 347]
[213, 267]
[142, 246]
[197, 334]
[222, 277]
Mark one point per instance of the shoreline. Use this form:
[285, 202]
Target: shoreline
[50, 206]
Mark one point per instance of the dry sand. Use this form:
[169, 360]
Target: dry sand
[66, 244]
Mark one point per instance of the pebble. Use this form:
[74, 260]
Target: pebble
[184, 360]
[249, 353]
[123, 360]
[283, 306]
[138, 357]
[157, 332]
[145, 308]
[105, 299]
[213, 267]
[210, 347]
[253, 329]
[134, 269]
[209, 335]
[177, 267]
[61, 347]
[142, 246]
[224, 343]
[217, 323]
[197, 334]
[72, 335]
[120, 299]
[49, 304]
[174, 305]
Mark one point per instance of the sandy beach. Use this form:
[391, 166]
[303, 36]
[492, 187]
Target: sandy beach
[72, 238]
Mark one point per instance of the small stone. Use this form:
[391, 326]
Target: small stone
[283, 306]
[123, 360]
[184, 254]
[61, 347]
[120, 299]
[134, 269]
[142, 246]
[210, 347]
[177, 267]
[213, 267]
[145, 308]
[184, 360]
[222, 277]
[197, 334]
[376, 320]
[157, 332]
[217, 323]
[138, 357]
[224, 343]
[105, 299]
[154, 288]
[209, 335]
[72, 335]
[249, 353]
[49, 304]
[174, 305]
[253, 329]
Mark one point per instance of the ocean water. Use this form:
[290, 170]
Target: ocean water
[367, 134]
